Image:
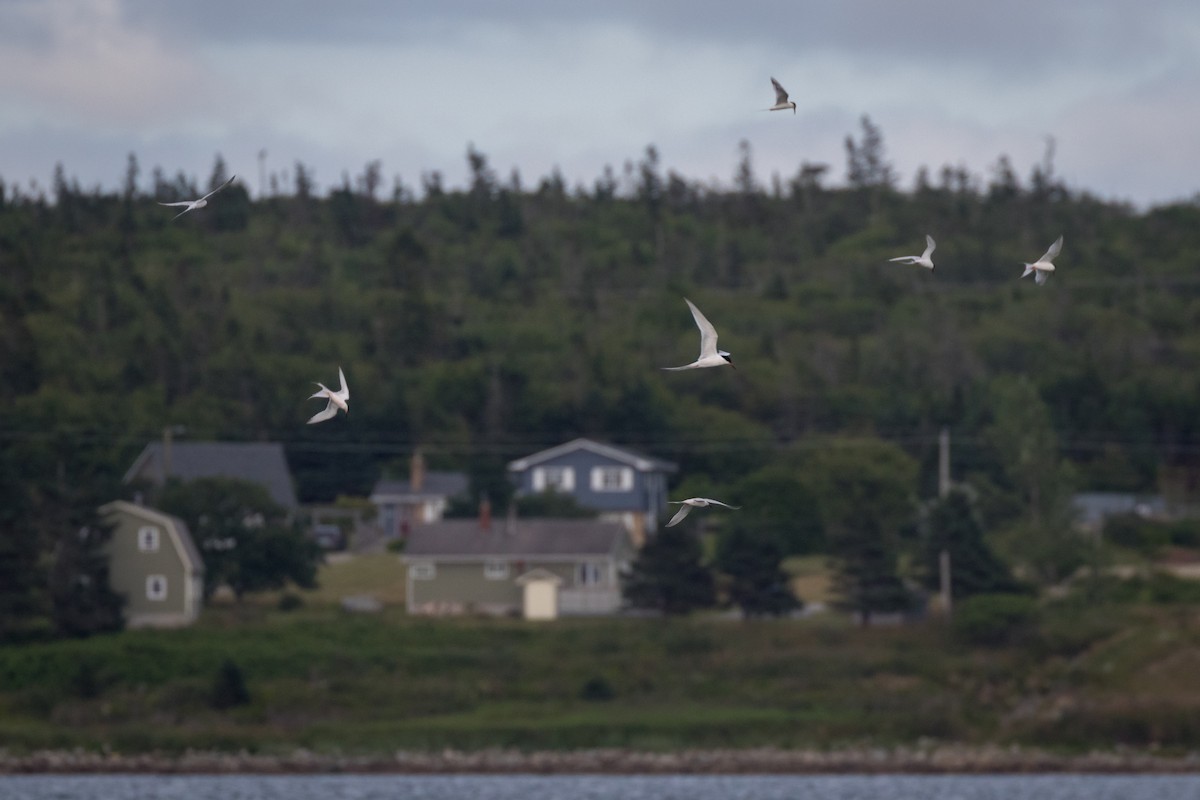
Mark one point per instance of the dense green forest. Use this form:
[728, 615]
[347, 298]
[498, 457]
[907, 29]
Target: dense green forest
[485, 322]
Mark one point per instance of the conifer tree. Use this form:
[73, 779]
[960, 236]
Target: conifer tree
[753, 562]
[953, 526]
[668, 575]
[82, 601]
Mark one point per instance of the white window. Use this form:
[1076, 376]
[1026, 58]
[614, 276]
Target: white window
[612, 479]
[147, 536]
[424, 571]
[559, 479]
[156, 587]
[589, 574]
[495, 570]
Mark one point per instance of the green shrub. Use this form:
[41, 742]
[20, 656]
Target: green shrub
[1184, 533]
[1159, 588]
[597, 689]
[1150, 536]
[86, 681]
[994, 619]
[1123, 723]
[1143, 535]
[290, 601]
[1069, 631]
[229, 687]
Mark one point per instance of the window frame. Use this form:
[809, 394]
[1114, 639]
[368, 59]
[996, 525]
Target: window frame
[601, 474]
[148, 538]
[153, 593]
[496, 570]
[589, 573]
[422, 571]
[564, 478]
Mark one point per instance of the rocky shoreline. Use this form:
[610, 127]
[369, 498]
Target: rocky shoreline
[915, 760]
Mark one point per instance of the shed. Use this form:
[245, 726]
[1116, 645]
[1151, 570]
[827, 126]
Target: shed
[540, 595]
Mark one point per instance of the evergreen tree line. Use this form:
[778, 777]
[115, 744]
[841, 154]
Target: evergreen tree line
[484, 322]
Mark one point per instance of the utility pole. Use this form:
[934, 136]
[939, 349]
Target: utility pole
[944, 462]
[944, 570]
[168, 438]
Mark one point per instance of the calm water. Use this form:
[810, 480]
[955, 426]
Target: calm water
[597, 787]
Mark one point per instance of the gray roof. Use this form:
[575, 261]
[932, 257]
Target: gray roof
[258, 462]
[622, 454]
[1094, 507]
[436, 484]
[463, 538]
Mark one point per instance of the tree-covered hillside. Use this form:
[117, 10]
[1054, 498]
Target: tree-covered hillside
[485, 323]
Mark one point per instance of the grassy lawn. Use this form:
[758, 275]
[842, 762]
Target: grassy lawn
[379, 575]
[812, 578]
[1091, 673]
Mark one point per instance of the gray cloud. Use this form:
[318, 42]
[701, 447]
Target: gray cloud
[540, 83]
[1018, 35]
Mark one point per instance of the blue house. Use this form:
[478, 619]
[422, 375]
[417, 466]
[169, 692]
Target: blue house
[620, 484]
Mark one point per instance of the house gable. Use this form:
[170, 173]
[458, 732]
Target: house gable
[601, 477]
[606, 452]
[154, 563]
[401, 504]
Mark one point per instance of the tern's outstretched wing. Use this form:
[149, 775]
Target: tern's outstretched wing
[329, 412]
[929, 246]
[1041, 276]
[708, 334]
[719, 503]
[1054, 250]
[781, 95]
[683, 511]
[181, 203]
[219, 188]
[344, 391]
[906, 259]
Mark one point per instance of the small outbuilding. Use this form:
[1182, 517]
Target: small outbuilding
[540, 595]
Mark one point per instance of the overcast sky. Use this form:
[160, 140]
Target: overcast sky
[545, 83]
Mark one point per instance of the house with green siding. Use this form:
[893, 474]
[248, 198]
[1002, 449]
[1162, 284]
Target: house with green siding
[155, 564]
[463, 566]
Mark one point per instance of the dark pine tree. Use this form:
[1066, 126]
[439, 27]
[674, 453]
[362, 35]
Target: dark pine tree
[954, 526]
[21, 582]
[668, 575]
[867, 581]
[82, 602]
[758, 585]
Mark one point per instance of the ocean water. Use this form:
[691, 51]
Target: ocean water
[599, 787]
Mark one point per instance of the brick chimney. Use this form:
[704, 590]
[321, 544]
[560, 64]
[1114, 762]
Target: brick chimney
[485, 515]
[416, 471]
